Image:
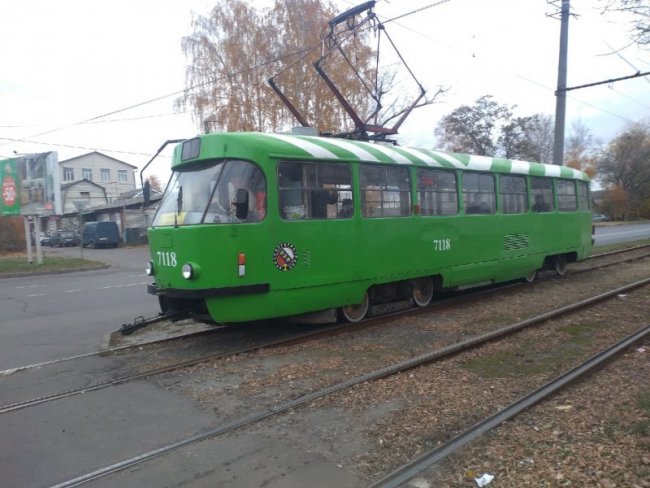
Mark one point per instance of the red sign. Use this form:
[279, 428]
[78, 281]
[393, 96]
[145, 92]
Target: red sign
[8, 191]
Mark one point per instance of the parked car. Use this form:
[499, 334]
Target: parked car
[599, 218]
[101, 234]
[45, 239]
[60, 239]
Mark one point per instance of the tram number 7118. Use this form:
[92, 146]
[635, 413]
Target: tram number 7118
[166, 258]
[441, 244]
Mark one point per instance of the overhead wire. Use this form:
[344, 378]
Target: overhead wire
[69, 146]
[168, 95]
[304, 52]
[96, 119]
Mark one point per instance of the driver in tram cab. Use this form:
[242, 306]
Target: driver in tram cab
[252, 181]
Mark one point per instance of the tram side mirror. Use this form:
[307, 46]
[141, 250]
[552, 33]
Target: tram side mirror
[146, 193]
[241, 203]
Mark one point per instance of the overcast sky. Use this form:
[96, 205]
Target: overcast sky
[67, 62]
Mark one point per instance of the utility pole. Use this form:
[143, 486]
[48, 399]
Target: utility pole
[560, 94]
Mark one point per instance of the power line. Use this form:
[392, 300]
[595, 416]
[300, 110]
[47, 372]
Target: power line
[172, 94]
[243, 71]
[412, 12]
[26, 141]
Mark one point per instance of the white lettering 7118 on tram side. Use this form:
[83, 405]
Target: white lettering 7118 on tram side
[166, 258]
[441, 244]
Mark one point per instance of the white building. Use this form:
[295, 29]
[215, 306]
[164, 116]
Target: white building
[113, 175]
[91, 194]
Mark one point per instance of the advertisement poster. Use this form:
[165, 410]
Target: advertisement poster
[10, 181]
[30, 185]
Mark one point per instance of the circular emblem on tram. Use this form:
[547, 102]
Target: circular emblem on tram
[285, 256]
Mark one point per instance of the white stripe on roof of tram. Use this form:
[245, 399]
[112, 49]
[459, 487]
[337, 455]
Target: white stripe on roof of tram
[421, 155]
[520, 167]
[481, 163]
[450, 159]
[308, 146]
[394, 155]
[358, 151]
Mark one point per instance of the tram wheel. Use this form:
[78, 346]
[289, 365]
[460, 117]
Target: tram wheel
[560, 265]
[354, 313]
[532, 276]
[422, 291]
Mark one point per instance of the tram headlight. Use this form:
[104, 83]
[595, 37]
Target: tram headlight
[190, 271]
[149, 268]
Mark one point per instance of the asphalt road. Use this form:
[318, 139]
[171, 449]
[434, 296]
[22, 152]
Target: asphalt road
[612, 234]
[58, 315]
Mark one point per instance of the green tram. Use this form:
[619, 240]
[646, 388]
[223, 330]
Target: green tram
[254, 226]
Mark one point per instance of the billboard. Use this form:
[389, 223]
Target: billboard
[30, 185]
[10, 180]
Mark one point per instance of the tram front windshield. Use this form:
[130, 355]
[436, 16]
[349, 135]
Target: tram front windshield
[206, 194]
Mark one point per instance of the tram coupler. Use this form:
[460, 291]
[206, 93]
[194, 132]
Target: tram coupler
[138, 323]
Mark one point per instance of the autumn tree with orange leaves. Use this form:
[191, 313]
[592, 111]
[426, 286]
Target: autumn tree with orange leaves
[235, 49]
[580, 149]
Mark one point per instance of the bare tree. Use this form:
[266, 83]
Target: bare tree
[473, 129]
[528, 138]
[640, 9]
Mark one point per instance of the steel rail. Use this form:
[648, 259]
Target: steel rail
[374, 375]
[617, 251]
[107, 351]
[409, 470]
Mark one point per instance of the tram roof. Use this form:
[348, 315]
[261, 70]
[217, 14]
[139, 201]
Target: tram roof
[332, 149]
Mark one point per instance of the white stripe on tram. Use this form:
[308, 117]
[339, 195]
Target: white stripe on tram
[481, 163]
[450, 159]
[421, 155]
[519, 167]
[307, 146]
[394, 155]
[551, 170]
[359, 152]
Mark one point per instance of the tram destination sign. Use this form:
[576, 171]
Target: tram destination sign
[30, 185]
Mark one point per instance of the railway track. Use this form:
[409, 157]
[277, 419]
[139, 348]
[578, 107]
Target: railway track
[433, 456]
[259, 345]
[144, 322]
[394, 369]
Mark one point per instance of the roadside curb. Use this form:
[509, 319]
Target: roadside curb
[21, 274]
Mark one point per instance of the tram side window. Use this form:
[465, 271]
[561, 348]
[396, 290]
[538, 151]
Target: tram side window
[478, 193]
[514, 196]
[237, 179]
[566, 195]
[437, 193]
[541, 190]
[315, 191]
[583, 195]
[385, 191]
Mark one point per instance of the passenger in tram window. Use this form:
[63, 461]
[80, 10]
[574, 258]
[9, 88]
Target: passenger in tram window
[347, 208]
[320, 199]
[478, 206]
[540, 204]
